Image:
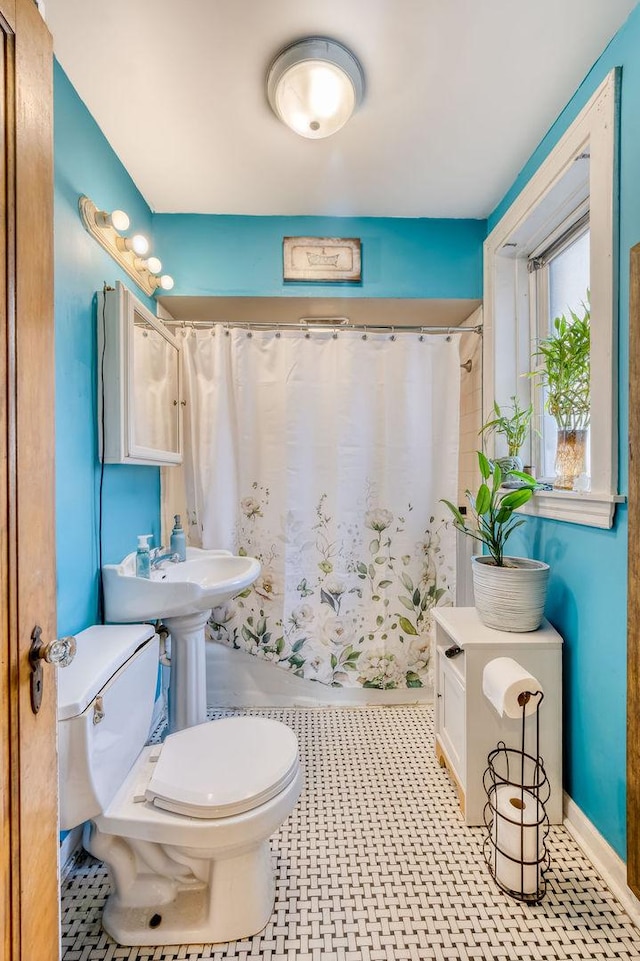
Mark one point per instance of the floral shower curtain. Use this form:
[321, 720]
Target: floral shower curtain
[325, 455]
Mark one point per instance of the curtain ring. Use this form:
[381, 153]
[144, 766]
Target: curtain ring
[364, 336]
[393, 334]
[335, 334]
[249, 332]
[278, 330]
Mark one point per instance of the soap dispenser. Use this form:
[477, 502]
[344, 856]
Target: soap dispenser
[178, 541]
[143, 556]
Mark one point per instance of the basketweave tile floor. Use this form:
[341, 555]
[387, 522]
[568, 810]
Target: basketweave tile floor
[376, 864]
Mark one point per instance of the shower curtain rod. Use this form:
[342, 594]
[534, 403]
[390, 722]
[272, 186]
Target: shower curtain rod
[334, 324]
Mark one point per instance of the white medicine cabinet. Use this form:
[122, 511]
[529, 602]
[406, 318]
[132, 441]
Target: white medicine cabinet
[139, 383]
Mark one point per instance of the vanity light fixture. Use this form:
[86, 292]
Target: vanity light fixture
[138, 244]
[116, 219]
[165, 282]
[152, 264]
[128, 252]
[314, 85]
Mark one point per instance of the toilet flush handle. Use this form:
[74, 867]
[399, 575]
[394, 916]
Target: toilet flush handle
[60, 651]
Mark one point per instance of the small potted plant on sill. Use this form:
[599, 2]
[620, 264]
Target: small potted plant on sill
[512, 423]
[565, 371]
[509, 592]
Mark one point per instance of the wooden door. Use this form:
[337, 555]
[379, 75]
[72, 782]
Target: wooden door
[28, 764]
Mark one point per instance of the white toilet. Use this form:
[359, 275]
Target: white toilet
[182, 826]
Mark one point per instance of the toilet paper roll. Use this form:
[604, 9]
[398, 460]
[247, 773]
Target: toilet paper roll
[503, 680]
[517, 833]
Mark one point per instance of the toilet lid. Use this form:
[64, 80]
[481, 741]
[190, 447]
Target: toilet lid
[224, 767]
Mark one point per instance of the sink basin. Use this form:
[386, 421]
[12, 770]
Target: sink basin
[204, 580]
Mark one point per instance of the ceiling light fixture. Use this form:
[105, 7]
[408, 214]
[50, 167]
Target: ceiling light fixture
[314, 85]
[128, 252]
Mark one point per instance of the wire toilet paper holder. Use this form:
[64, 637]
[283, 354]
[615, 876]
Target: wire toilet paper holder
[515, 815]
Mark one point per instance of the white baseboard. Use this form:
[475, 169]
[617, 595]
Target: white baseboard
[604, 859]
[68, 850]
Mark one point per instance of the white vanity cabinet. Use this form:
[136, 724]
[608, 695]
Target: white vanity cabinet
[139, 383]
[467, 726]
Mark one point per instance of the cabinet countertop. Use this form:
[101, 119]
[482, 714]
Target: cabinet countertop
[463, 626]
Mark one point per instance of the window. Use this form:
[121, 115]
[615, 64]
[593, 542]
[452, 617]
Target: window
[556, 241]
[560, 286]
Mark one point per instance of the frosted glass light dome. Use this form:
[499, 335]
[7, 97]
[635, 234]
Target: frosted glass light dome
[314, 86]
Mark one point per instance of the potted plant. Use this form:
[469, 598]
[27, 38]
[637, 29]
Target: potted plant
[509, 592]
[512, 423]
[566, 374]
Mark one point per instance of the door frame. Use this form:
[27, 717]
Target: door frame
[29, 904]
[633, 580]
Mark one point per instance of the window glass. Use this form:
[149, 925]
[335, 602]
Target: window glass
[567, 283]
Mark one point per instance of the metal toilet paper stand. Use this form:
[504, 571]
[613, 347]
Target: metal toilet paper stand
[515, 816]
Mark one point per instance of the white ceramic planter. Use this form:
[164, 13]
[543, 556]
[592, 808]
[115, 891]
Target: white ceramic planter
[510, 598]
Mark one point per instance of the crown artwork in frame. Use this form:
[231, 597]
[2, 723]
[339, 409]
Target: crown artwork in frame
[324, 259]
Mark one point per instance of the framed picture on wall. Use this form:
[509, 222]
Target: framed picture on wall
[325, 259]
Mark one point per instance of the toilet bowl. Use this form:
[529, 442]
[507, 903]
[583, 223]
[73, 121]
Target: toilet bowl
[182, 826]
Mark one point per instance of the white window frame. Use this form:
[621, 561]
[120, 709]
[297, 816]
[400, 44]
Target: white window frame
[580, 169]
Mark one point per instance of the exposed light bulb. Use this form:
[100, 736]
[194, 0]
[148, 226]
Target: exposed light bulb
[152, 264]
[138, 244]
[166, 282]
[117, 219]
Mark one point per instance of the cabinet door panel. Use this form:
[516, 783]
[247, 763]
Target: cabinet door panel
[154, 403]
[452, 716]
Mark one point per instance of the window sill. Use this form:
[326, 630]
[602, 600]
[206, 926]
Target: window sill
[590, 509]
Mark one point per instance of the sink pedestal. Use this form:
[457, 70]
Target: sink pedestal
[188, 677]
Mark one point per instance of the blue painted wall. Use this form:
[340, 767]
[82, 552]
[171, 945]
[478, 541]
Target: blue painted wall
[405, 258]
[401, 257]
[206, 255]
[85, 163]
[588, 593]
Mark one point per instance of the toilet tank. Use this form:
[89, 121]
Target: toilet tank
[105, 706]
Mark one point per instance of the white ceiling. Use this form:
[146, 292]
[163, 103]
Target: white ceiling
[458, 94]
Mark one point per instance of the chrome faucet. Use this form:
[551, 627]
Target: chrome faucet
[157, 557]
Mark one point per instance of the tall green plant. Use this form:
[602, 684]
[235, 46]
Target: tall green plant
[566, 369]
[493, 511]
[513, 427]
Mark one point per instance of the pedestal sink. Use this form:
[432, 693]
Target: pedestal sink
[182, 596]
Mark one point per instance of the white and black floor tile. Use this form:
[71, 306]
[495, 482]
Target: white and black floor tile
[376, 864]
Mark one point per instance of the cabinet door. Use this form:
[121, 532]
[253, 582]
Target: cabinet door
[139, 383]
[451, 716]
[154, 390]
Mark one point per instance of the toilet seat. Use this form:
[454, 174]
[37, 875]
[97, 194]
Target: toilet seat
[223, 768]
